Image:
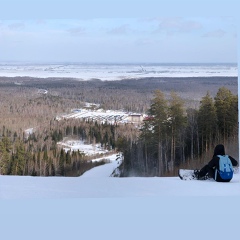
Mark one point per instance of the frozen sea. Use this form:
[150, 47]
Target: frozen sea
[107, 72]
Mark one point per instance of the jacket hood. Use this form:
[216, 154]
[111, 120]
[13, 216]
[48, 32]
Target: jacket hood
[219, 150]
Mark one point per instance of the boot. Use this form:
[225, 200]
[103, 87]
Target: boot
[196, 174]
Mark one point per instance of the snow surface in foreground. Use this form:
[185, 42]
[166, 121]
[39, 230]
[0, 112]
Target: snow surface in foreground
[96, 183]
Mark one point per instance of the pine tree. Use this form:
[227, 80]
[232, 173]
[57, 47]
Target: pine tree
[5, 155]
[227, 112]
[207, 122]
[62, 161]
[158, 112]
[192, 130]
[19, 162]
[38, 165]
[34, 172]
[45, 163]
[232, 117]
[146, 137]
[176, 121]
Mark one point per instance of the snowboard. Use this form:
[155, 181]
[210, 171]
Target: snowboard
[187, 174]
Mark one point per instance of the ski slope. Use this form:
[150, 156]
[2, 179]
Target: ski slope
[97, 183]
[96, 206]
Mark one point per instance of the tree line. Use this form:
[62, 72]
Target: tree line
[173, 135]
[22, 107]
[38, 153]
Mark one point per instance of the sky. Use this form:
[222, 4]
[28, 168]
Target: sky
[152, 39]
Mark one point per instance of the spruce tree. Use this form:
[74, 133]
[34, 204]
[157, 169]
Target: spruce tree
[5, 157]
[19, 162]
[158, 112]
[207, 122]
[177, 122]
[227, 112]
[62, 161]
[192, 131]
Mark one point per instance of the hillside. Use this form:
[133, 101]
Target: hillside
[96, 183]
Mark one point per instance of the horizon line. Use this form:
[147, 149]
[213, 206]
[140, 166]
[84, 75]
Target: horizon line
[106, 62]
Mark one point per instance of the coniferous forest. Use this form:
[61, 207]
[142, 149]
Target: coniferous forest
[180, 130]
[173, 136]
[39, 155]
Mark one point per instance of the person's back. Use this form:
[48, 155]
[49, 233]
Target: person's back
[220, 168]
[224, 169]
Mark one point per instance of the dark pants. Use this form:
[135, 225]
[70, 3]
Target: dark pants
[206, 171]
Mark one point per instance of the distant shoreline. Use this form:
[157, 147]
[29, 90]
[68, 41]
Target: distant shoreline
[118, 72]
[124, 79]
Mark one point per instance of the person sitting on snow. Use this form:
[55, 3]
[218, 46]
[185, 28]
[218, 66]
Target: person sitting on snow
[220, 168]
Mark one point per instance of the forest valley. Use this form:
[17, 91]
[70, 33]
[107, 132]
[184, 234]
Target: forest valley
[174, 134]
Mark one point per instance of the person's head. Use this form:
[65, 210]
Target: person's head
[219, 150]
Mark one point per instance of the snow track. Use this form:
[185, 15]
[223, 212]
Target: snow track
[96, 183]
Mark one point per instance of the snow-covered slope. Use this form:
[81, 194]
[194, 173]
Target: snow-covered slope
[96, 206]
[96, 183]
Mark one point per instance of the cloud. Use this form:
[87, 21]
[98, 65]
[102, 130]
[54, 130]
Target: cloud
[176, 25]
[76, 30]
[228, 19]
[173, 25]
[16, 26]
[147, 41]
[40, 22]
[122, 30]
[215, 34]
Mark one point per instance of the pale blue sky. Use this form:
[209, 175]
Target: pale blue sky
[116, 31]
[150, 39]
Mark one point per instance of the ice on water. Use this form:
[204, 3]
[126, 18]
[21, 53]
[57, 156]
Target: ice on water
[116, 71]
